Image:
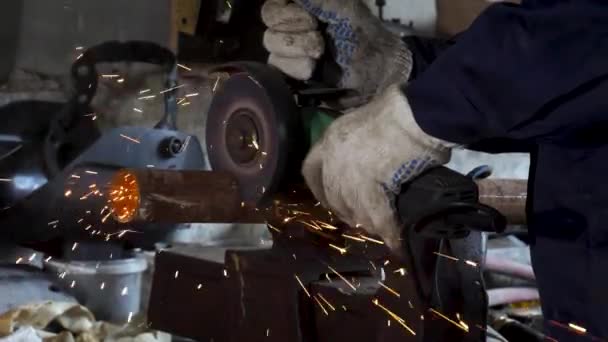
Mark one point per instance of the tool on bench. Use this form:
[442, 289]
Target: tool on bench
[52, 152]
[319, 276]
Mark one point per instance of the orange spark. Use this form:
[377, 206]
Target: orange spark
[445, 256]
[578, 328]
[273, 228]
[464, 327]
[325, 225]
[184, 67]
[371, 240]
[302, 285]
[326, 302]
[130, 139]
[172, 88]
[315, 227]
[394, 316]
[389, 289]
[471, 263]
[353, 237]
[339, 249]
[216, 83]
[343, 279]
[401, 270]
[321, 306]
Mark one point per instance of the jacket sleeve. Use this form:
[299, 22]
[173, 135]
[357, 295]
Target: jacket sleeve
[424, 52]
[519, 74]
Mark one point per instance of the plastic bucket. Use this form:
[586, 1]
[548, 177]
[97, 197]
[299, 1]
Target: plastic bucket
[111, 289]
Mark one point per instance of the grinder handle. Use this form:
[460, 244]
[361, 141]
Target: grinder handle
[443, 203]
[440, 202]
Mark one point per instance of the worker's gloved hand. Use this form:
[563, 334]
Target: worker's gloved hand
[358, 166]
[370, 56]
[292, 38]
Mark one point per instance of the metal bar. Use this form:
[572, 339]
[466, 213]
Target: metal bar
[167, 196]
[506, 195]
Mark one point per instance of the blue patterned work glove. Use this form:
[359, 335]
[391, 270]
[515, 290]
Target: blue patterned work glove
[358, 166]
[371, 57]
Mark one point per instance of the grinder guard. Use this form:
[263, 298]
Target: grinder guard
[253, 130]
[45, 146]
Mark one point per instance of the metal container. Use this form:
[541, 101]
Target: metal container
[111, 289]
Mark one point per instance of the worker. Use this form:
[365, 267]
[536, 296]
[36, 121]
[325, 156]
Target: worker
[529, 77]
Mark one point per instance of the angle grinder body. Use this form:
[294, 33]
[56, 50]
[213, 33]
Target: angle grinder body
[260, 127]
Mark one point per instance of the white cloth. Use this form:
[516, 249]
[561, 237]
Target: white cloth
[26, 334]
[364, 157]
[27, 323]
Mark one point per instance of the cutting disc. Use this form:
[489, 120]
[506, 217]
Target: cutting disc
[252, 131]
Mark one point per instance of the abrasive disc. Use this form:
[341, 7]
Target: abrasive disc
[252, 131]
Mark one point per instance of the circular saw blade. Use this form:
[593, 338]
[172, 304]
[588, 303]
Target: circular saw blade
[251, 130]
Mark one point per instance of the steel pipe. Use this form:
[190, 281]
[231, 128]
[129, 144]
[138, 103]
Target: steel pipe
[167, 196]
[506, 195]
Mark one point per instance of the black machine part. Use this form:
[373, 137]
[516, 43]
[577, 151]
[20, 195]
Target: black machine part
[79, 214]
[443, 203]
[65, 127]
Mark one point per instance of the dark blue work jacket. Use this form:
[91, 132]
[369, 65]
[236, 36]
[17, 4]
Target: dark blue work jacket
[535, 77]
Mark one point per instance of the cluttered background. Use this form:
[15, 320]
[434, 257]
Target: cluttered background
[96, 284]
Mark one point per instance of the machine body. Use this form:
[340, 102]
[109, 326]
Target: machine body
[54, 161]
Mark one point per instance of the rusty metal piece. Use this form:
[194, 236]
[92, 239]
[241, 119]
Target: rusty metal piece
[506, 195]
[167, 196]
[248, 294]
[152, 195]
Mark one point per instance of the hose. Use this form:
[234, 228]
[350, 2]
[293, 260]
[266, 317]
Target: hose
[511, 295]
[508, 267]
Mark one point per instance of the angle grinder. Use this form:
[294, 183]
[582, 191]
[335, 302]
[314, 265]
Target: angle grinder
[260, 126]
